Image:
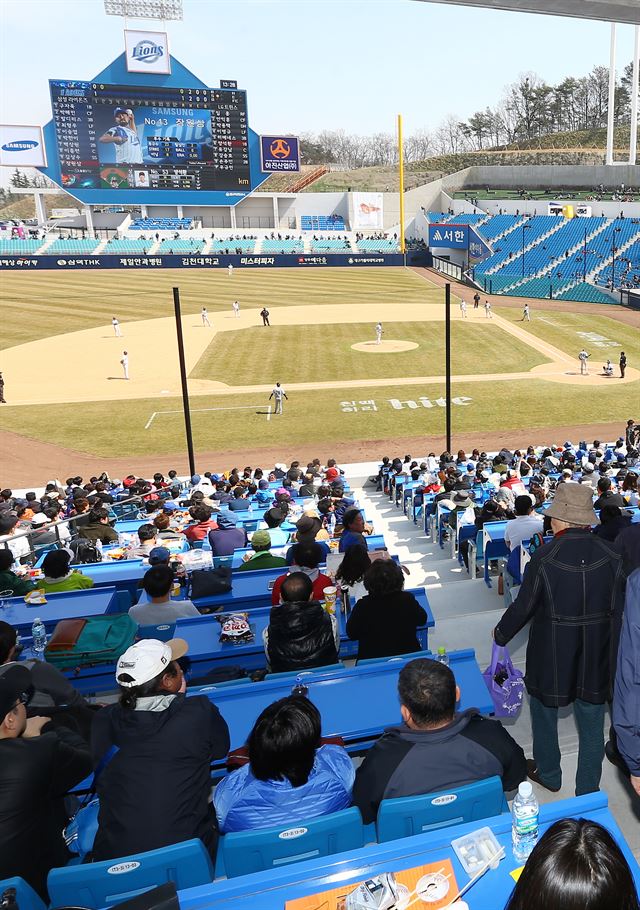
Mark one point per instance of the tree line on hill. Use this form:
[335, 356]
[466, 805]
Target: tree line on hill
[530, 109]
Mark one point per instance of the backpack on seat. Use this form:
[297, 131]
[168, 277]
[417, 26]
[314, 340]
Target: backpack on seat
[98, 640]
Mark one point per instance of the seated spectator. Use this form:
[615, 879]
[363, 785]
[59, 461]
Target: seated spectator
[147, 536]
[38, 767]
[239, 503]
[164, 531]
[434, 748]
[576, 863]
[290, 777]
[9, 581]
[10, 535]
[203, 523]
[58, 575]
[80, 512]
[274, 517]
[613, 520]
[98, 528]
[309, 528]
[350, 574]
[354, 530]
[606, 496]
[263, 494]
[306, 557]
[227, 537]
[307, 488]
[628, 544]
[384, 623]
[53, 695]
[300, 633]
[158, 786]
[524, 525]
[262, 557]
[160, 608]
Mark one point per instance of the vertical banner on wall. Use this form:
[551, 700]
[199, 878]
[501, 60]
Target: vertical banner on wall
[147, 52]
[367, 211]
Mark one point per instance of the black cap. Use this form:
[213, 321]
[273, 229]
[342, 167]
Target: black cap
[15, 683]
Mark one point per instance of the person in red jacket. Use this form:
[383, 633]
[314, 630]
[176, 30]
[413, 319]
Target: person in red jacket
[306, 558]
[203, 523]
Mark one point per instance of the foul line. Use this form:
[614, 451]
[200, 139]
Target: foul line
[244, 407]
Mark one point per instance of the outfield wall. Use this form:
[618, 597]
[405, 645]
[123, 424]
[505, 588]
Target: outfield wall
[154, 263]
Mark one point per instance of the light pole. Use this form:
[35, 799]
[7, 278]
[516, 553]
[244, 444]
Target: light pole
[525, 227]
[613, 257]
[584, 256]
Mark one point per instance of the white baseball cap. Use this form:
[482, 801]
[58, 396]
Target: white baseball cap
[146, 659]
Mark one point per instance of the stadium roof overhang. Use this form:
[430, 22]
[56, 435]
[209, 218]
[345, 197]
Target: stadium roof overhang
[623, 11]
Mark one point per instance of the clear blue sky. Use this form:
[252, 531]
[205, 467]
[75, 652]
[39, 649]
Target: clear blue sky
[311, 64]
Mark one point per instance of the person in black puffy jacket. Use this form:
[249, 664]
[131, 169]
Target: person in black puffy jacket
[300, 633]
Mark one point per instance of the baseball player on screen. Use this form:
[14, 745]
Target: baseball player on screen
[124, 137]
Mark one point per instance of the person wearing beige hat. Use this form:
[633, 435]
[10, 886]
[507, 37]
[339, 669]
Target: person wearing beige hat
[156, 788]
[572, 593]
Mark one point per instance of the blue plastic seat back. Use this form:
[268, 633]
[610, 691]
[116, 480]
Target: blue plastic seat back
[256, 851]
[26, 897]
[293, 673]
[213, 687]
[161, 632]
[96, 885]
[411, 815]
[385, 660]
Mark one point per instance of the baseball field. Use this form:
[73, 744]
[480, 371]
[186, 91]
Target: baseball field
[65, 384]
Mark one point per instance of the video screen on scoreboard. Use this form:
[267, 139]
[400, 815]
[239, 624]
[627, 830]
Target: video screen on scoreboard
[137, 137]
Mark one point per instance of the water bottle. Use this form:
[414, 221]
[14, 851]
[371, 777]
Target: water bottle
[332, 524]
[39, 635]
[442, 657]
[524, 831]
[300, 688]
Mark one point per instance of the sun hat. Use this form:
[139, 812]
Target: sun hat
[261, 540]
[146, 659]
[308, 524]
[39, 519]
[462, 498]
[573, 503]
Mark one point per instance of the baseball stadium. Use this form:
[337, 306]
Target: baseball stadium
[265, 686]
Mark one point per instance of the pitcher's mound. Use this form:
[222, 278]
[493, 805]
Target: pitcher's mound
[385, 347]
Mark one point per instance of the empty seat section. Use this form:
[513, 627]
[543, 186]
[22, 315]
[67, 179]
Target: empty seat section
[231, 245]
[584, 292]
[20, 247]
[70, 245]
[330, 245]
[161, 224]
[508, 250]
[497, 225]
[181, 246]
[386, 245]
[322, 223]
[468, 218]
[283, 246]
[116, 247]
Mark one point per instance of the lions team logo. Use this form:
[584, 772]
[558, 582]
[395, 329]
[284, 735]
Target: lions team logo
[280, 148]
[147, 51]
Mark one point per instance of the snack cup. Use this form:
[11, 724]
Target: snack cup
[330, 594]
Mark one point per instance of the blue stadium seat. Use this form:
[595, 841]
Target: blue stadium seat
[161, 632]
[96, 885]
[306, 672]
[210, 687]
[411, 815]
[26, 897]
[255, 851]
[384, 660]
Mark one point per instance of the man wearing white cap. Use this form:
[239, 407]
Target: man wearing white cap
[156, 788]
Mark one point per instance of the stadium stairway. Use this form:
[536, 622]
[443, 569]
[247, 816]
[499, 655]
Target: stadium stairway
[466, 611]
[495, 269]
[632, 241]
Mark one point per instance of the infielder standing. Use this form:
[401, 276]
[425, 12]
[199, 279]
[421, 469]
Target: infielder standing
[205, 316]
[379, 331]
[230, 270]
[236, 309]
[264, 312]
[278, 395]
[526, 314]
[583, 357]
[463, 309]
[487, 309]
[116, 327]
[125, 364]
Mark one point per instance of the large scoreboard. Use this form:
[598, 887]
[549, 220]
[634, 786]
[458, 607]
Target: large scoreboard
[141, 137]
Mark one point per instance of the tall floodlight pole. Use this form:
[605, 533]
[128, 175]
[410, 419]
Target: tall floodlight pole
[401, 182]
[612, 96]
[634, 99]
[447, 369]
[183, 380]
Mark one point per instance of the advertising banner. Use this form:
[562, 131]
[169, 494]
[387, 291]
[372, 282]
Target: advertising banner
[21, 146]
[147, 52]
[449, 236]
[367, 211]
[279, 153]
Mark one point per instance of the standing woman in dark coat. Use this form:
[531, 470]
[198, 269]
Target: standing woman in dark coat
[384, 623]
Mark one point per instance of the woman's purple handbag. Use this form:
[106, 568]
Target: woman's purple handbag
[505, 683]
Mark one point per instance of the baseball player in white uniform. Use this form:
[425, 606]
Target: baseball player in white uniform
[115, 322]
[463, 309]
[583, 357]
[124, 137]
[230, 270]
[526, 313]
[205, 316]
[125, 364]
[487, 309]
[236, 309]
[278, 395]
[379, 331]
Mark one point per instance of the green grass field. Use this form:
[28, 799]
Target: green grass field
[46, 304]
[54, 303]
[109, 429]
[318, 352]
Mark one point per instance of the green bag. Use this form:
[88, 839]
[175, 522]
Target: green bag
[102, 640]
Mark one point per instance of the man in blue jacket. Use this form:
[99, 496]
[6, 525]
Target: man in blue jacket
[626, 696]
